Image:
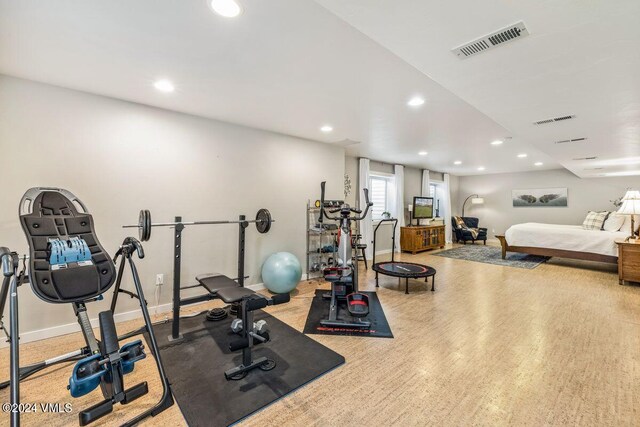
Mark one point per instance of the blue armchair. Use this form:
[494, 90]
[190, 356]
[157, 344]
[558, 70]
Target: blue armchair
[465, 235]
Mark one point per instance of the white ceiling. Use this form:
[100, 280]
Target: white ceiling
[291, 66]
[582, 58]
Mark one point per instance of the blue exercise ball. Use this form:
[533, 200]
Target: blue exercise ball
[281, 272]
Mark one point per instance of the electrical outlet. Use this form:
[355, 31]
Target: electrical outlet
[493, 230]
[159, 279]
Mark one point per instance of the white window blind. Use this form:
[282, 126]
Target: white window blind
[432, 190]
[379, 194]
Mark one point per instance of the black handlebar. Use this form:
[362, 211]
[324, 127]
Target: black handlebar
[323, 212]
[129, 245]
[138, 246]
[368, 203]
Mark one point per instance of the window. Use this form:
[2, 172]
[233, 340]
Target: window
[381, 190]
[435, 191]
[432, 190]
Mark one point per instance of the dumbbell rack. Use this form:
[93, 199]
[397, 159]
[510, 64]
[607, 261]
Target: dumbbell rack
[322, 237]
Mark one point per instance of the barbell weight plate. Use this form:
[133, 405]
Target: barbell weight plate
[147, 234]
[141, 221]
[263, 221]
[144, 225]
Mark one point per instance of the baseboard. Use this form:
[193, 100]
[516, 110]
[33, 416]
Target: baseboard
[384, 251]
[70, 328]
[259, 286]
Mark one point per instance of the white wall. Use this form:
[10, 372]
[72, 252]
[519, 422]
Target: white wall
[120, 157]
[498, 213]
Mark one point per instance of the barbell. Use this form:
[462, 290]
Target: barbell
[263, 223]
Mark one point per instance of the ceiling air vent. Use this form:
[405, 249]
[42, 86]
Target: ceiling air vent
[586, 158]
[565, 141]
[503, 35]
[553, 120]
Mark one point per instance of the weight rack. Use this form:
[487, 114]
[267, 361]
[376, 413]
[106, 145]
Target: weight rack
[177, 267]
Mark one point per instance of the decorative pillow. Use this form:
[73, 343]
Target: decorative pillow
[614, 222]
[595, 220]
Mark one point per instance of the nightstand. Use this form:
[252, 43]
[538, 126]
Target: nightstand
[628, 261]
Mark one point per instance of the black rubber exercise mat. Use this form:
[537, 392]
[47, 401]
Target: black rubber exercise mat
[320, 310]
[195, 368]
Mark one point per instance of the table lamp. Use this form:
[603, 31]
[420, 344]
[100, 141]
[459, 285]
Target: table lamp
[475, 200]
[631, 206]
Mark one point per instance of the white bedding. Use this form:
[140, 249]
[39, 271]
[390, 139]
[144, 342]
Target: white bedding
[565, 237]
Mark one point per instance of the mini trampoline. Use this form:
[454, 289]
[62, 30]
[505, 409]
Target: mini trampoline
[406, 271]
[400, 269]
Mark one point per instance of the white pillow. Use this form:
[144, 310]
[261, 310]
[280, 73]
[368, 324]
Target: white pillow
[614, 222]
[627, 223]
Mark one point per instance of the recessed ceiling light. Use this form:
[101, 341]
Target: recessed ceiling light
[416, 101]
[326, 128]
[538, 164]
[422, 153]
[497, 142]
[457, 162]
[164, 86]
[481, 168]
[226, 8]
[522, 155]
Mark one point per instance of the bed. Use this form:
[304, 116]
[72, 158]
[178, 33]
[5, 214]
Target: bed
[564, 241]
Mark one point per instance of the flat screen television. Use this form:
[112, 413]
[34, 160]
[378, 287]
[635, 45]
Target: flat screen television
[422, 207]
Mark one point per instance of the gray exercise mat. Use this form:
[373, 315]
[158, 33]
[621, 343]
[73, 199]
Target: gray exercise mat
[195, 368]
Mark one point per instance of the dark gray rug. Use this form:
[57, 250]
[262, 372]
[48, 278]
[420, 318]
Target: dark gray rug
[195, 367]
[320, 310]
[493, 255]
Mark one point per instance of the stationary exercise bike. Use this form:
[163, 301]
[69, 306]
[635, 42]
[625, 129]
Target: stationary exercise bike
[344, 275]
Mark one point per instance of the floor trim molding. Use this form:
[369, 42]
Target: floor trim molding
[383, 252]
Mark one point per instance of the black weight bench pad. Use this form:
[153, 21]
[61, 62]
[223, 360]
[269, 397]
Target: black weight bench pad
[231, 295]
[52, 213]
[213, 282]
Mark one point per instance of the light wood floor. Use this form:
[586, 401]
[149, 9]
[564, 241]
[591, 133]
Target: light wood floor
[557, 345]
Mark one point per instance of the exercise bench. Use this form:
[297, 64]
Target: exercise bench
[230, 292]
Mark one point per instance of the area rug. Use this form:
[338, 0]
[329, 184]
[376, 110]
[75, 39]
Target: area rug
[195, 367]
[320, 310]
[493, 255]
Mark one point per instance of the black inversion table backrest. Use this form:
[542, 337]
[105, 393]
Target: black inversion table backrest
[49, 214]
